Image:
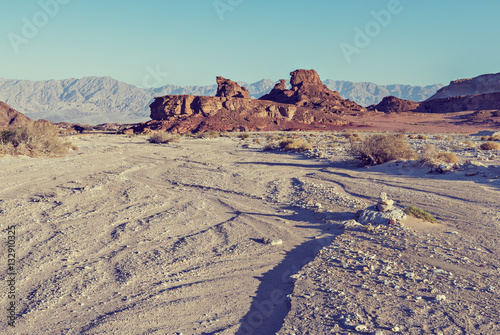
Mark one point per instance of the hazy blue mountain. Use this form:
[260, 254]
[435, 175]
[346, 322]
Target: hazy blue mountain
[94, 100]
[367, 94]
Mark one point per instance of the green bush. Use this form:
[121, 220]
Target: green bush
[420, 214]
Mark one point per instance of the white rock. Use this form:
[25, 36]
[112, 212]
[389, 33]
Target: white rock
[440, 297]
[361, 328]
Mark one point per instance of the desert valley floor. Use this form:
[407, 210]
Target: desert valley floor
[217, 236]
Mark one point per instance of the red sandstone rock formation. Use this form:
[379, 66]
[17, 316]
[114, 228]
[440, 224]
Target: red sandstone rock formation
[10, 118]
[230, 89]
[308, 105]
[308, 91]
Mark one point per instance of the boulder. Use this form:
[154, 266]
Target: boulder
[375, 217]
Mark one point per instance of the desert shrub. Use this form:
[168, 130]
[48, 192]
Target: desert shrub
[486, 138]
[420, 214]
[469, 144]
[269, 147]
[297, 145]
[163, 137]
[243, 136]
[421, 137]
[447, 157]
[39, 138]
[495, 138]
[272, 137]
[490, 146]
[455, 147]
[210, 134]
[429, 154]
[378, 149]
[439, 137]
[412, 136]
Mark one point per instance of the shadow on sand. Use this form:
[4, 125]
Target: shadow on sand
[271, 302]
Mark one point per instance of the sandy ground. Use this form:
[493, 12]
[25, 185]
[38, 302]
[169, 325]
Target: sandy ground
[216, 237]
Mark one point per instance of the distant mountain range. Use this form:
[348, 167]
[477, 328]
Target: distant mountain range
[95, 100]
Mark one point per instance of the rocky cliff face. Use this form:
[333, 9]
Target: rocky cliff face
[307, 104]
[10, 118]
[480, 93]
[487, 83]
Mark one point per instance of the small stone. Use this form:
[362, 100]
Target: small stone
[274, 241]
[378, 332]
[440, 297]
[361, 328]
[396, 329]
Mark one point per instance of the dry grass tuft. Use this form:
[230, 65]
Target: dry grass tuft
[378, 149]
[447, 157]
[297, 145]
[34, 139]
[163, 137]
[431, 156]
[490, 146]
[210, 134]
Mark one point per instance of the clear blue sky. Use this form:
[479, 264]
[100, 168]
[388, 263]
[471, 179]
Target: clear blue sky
[422, 42]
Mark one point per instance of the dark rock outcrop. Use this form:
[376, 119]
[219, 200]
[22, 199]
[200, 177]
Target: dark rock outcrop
[10, 118]
[308, 105]
[395, 105]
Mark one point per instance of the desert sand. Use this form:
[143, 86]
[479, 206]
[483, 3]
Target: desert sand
[217, 236]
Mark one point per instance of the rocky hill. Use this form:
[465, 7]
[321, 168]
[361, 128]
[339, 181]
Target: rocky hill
[477, 94]
[485, 84]
[95, 100]
[9, 117]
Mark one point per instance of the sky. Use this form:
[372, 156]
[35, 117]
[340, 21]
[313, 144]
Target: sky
[151, 43]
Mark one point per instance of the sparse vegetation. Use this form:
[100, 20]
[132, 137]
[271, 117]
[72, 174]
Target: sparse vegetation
[420, 214]
[490, 146]
[378, 149]
[297, 145]
[39, 138]
[209, 134]
[469, 144]
[243, 136]
[431, 155]
[447, 157]
[422, 137]
[162, 137]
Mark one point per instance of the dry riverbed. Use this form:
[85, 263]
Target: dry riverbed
[217, 236]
